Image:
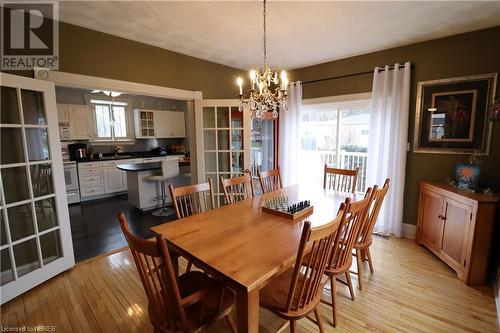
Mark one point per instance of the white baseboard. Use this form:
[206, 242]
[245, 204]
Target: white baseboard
[409, 231]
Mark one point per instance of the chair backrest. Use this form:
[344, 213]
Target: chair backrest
[305, 286]
[192, 199]
[376, 200]
[348, 232]
[170, 167]
[270, 180]
[238, 188]
[340, 179]
[155, 269]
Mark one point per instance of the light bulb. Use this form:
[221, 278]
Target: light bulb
[283, 75]
[239, 82]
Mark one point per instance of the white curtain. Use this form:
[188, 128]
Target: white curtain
[289, 140]
[387, 145]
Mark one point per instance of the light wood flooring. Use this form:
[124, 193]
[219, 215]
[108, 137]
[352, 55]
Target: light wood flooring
[410, 291]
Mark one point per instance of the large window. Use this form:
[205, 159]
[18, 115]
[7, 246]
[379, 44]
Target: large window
[110, 120]
[335, 134]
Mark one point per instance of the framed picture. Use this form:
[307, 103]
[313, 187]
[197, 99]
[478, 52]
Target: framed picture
[452, 115]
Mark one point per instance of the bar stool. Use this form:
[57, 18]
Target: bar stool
[169, 169]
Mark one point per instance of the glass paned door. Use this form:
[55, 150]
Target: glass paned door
[263, 148]
[223, 142]
[35, 233]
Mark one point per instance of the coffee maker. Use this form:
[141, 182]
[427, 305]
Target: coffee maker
[77, 151]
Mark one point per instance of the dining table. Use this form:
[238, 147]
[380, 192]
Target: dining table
[247, 247]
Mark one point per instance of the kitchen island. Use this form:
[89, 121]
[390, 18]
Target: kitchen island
[145, 194]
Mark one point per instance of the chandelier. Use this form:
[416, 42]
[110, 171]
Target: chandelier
[268, 92]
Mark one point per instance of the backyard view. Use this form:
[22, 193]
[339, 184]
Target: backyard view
[335, 135]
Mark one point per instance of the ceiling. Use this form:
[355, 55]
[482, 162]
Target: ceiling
[299, 33]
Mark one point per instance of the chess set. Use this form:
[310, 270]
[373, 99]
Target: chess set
[282, 207]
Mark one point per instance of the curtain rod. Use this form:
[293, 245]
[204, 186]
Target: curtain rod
[352, 74]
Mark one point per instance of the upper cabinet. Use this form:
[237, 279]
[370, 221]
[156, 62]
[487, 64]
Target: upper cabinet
[62, 113]
[78, 119]
[144, 121]
[159, 124]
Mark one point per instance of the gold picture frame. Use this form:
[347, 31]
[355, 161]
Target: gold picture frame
[451, 115]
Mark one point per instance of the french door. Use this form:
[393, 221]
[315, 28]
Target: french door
[222, 141]
[34, 221]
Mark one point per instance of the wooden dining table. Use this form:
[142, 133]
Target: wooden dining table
[247, 247]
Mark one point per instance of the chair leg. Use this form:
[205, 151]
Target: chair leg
[359, 258]
[318, 320]
[369, 259]
[349, 283]
[333, 284]
[230, 323]
[292, 326]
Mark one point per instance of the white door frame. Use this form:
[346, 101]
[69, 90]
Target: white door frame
[200, 141]
[70, 80]
[26, 282]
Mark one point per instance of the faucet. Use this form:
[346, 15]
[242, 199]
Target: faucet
[118, 149]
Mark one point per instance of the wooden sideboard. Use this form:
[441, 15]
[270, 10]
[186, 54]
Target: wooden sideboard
[457, 226]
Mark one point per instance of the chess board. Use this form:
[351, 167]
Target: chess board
[280, 206]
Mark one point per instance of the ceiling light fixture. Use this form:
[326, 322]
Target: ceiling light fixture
[107, 92]
[268, 91]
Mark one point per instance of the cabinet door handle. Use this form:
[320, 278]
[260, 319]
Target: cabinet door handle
[440, 216]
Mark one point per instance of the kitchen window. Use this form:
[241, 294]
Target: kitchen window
[111, 120]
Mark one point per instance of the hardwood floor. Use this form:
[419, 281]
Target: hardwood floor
[410, 291]
[96, 231]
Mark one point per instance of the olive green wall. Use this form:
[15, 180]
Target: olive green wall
[471, 53]
[84, 51]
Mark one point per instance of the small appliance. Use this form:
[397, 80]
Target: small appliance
[77, 151]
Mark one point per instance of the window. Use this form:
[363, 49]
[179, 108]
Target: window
[335, 134]
[110, 120]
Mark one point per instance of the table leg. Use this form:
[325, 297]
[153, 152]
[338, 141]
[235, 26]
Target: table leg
[247, 307]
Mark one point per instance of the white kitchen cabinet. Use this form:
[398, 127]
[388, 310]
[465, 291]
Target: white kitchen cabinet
[177, 124]
[169, 124]
[62, 113]
[113, 180]
[76, 119]
[90, 179]
[144, 124]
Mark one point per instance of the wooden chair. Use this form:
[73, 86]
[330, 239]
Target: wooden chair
[189, 303]
[341, 257]
[295, 293]
[362, 245]
[238, 188]
[270, 180]
[340, 179]
[192, 199]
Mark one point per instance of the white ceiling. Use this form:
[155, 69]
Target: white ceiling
[299, 33]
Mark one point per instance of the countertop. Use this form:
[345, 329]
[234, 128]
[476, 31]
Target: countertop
[124, 157]
[139, 166]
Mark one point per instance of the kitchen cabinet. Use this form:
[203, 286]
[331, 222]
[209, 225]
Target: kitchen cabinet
[79, 122]
[90, 179]
[169, 124]
[144, 123]
[62, 113]
[457, 226]
[159, 124]
[76, 119]
[102, 177]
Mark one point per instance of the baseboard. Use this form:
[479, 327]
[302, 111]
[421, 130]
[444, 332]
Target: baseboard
[409, 231]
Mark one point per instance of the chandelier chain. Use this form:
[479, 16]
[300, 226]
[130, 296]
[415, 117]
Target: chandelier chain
[265, 34]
